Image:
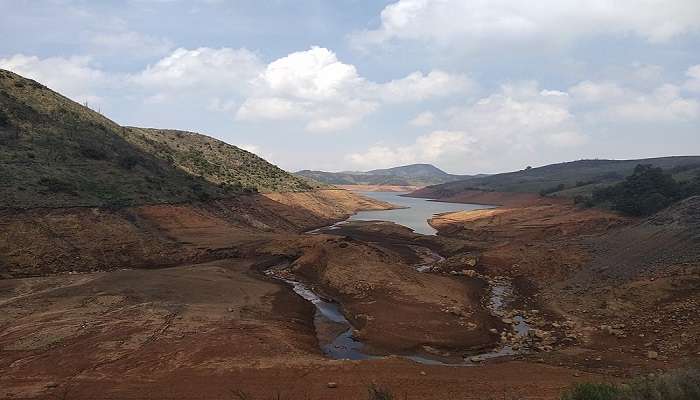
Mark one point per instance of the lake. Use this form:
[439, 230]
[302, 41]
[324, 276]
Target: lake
[416, 216]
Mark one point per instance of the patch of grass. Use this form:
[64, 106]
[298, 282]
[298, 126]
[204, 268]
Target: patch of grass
[682, 384]
[592, 391]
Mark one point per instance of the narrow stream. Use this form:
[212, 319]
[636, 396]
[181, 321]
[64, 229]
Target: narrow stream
[334, 331]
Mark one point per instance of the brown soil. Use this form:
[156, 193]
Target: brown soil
[626, 287]
[193, 317]
[210, 330]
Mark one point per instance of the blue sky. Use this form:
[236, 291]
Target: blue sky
[470, 86]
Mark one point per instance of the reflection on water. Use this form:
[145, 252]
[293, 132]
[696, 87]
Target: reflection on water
[415, 216]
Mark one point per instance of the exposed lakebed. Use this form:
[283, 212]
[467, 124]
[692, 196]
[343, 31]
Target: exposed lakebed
[334, 331]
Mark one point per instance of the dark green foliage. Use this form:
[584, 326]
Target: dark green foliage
[592, 391]
[645, 192]
[56, 185]
[682, 384]
[93, 151]
[553, 189]
[4, 119]
[594, 173]
[128, 161]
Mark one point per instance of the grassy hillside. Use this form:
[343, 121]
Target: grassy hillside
[407, 175]
[215, 161]
[568, 179]
[55, 152]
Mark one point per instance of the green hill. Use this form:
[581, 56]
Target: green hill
[568, 179]
[215, 161]
[407, 175]
[56, 153]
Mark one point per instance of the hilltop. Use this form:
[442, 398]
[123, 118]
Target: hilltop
[407, 175]
[567, 179]
[55, 152]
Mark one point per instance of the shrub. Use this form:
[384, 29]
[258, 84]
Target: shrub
[645, 192]
[553, 189]
[592, 391]
[93, 152]
[128, 162]
[55, 185]
[682, 384]
[4, 119]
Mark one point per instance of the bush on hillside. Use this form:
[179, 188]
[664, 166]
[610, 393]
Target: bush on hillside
[682, 384]
[645, 192]
[93, 151]
[55, 185]
[4, 119]
[553, 189]
[592, 391]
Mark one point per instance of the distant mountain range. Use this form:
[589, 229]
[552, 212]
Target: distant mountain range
[407, 175]
[567, 179]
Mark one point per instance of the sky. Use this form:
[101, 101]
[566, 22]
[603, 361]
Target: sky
[478, 86]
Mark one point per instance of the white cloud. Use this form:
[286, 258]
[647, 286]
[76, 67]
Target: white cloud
[427, 148]
[274, 108]
[485, 22]
[423, 119]
[595, 92]
[693, 82]
[202, 69]
[610, 101]
[315, 87]
[662, 105]
[519, 118]
[513, 123]
[418, 86]
[314, 74]
[312, 87]
[75, 77]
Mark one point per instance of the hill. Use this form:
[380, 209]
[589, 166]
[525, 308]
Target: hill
[407, 175]
[55, 152]
[215, 161]
[565, 179]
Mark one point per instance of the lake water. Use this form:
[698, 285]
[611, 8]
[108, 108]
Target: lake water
[416, 216]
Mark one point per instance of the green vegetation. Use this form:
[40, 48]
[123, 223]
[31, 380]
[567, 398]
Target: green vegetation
[571, 179]
[224, 165]
[648, 190]
[683, 384]
[56, 153]
[592, 391]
